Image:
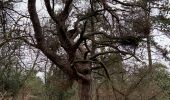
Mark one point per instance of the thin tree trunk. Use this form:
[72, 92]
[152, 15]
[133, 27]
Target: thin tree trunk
[149, 52]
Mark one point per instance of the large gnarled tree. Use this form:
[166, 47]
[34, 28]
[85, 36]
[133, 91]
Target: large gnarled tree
[95, 32]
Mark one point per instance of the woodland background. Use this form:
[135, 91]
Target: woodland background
[84, 50]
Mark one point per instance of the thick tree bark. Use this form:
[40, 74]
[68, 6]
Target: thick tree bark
[84, 81]
[126, 98]
[85, 90]
[97, 94]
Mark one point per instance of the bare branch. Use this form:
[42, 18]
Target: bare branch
[50, 10]
[36, 23]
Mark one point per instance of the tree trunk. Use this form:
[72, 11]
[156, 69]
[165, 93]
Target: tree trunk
[97, 94]
[85, 90]
[126, 98]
